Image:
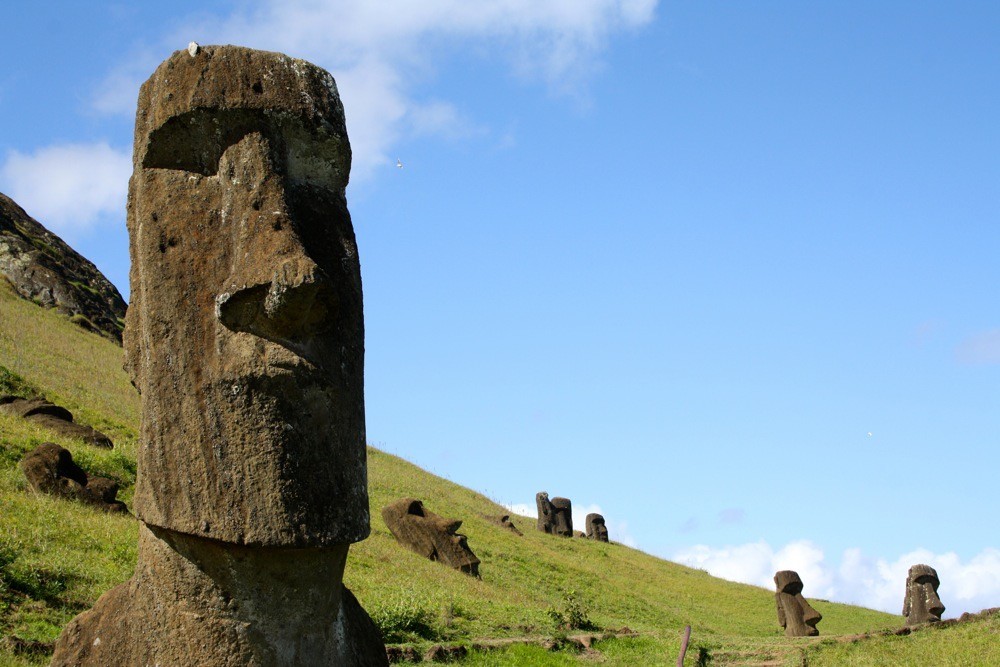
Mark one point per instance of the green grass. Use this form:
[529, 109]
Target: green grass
[57, 557]
[960, 644]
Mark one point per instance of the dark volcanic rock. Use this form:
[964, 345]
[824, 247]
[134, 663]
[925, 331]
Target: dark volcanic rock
[430, 535]
[50, 469]
[245, 339]
[921, 603]
[795, 614]
[53, 417]
[596, 528]
[42, 268]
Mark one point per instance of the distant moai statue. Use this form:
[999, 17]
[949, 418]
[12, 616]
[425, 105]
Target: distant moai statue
[794, 613]
[922, 604]
[245, 339]
[596, 528]
[430, 535]
[555, 516]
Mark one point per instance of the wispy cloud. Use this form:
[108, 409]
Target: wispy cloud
[732, 516]
[858, 579]
[70, 188]
[982, 348]
[381, 58]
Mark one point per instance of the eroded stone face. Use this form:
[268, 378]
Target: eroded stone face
[596, 528]
[245, 332]
[795, 615]
[430, 535]
[555, 516]
[922, 604]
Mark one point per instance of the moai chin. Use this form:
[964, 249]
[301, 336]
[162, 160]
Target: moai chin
[922, 604]
[794, 613]
[430, 535]
[245, 339]
[596, 528]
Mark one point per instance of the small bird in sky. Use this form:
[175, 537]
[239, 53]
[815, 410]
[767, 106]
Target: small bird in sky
[399, 163]
[869, 434]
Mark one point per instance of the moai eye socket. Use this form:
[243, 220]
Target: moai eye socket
[194, 141]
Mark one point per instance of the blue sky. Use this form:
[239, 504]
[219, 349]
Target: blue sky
[674, 261]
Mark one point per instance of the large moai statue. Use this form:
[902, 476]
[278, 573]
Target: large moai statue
[430, 535]
[245, 339]
[922, 604]
[554, 516]
[794, 613]
[596, 528]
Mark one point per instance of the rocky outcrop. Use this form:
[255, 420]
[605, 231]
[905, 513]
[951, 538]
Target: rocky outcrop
[50, 469]
[245, 339]
[53, 417]
[44, 269]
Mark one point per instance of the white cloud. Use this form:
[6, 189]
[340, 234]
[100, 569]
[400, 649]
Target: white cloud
[380, 57]
[858, 579]
[69, 188]
[982, 348]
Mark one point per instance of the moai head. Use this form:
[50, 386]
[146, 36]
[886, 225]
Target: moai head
[794, 613]
[922, 604]
[430, 535]
[596, 529]
[546, 516]
[245, 333]
[563, 517]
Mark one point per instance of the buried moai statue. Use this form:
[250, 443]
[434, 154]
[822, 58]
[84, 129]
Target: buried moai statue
[794, 613]
[922, 604]
[430, 535]
[245, 339]
[554, 516]
[596, 528]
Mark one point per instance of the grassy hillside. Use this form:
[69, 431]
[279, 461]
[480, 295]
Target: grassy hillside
[57, 557]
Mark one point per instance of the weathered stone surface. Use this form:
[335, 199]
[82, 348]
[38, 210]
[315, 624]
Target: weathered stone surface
[42, 268]
[555, 516]
[596, 528]
[297, 612]
[921, 603]
[245, 338]
[245, 333]
[794, 613]
[54, 418]
[50, 469]
[430, 535]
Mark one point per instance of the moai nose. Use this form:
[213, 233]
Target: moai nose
[809, 615]
[275, 290]
[934, 605]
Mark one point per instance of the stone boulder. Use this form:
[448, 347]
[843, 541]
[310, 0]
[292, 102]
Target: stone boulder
[430, 535]
[54, 418]
[50, 469]
[42, 268]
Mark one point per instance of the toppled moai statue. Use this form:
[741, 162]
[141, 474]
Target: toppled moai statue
[794, 613]
[53, 417]
[504, 521]
[430, 535]
[596, 528]
[922, 604]
[554, 516]
[50, 469]
[245, 339]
